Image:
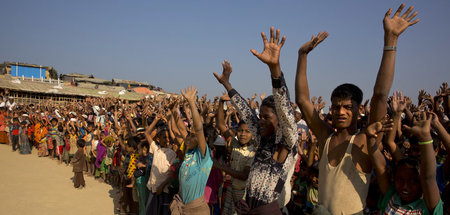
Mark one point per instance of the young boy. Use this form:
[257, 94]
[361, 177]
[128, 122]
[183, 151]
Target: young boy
[414, 190]
[163, 157]
[342, 166]
[78, 162]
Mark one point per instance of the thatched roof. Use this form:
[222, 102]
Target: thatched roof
[83, 89]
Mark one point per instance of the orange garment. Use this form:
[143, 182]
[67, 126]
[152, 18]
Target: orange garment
[40, 132]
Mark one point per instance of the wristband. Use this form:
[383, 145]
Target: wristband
[390, 48]
[426, 142]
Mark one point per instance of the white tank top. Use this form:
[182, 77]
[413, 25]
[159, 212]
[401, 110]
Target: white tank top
[342, 189]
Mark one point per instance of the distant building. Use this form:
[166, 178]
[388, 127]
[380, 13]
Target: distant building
[25, 70]
[131, 84]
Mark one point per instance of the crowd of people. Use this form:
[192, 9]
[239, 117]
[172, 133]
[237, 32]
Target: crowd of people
[268, 155]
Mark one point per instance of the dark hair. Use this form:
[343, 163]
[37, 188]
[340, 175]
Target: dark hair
[81, 143]
[350, 91]
[269, 102]
[54, 119]
[132, 142]
[15, 119]
[407, 161]
[314, 169]
[90, 124]
[144, 144]
[60, 128]
[210, 133]
[161, 129]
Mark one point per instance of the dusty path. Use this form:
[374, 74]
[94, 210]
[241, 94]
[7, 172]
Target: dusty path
[33, 185]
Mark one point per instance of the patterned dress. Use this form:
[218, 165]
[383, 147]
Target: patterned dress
[267, 177]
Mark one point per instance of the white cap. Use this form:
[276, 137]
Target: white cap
[219, 141]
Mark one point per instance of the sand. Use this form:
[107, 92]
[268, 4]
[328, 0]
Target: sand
[33, 185]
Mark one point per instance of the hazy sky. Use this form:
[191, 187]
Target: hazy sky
[173, 44]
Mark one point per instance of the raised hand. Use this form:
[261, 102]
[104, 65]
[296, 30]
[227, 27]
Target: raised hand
[262, 96]
[420, 97]
[311, 44]
[189, 93]
[272, 47]
[397, 24]
[373, 129]
[398, 102]
[443, 90]
[224, 78]
[225, 97]
[420, 126]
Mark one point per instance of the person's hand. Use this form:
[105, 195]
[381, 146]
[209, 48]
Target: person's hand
[420, 126]
[271, 52]
[313, 42]
[375, 128]
[313, 100]
[225, 97]
[254, 96]
[420, 96]
[189, 93]
[434, 119]
[397, 24]
[443, 90]
[224, 78]
[262, 96]
[408, 101]
[398, 102]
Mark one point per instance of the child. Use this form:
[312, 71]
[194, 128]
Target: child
[52, 135]
[23, 139]
[163, 157]
[73, 137]
[415, 189]
[142, 174]
[66, 150]
[195, 169]
[101, 169]
[60, 142]
[312, 188]
[78, 162]
[15, 127]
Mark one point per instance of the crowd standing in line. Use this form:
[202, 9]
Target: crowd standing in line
[190, 155]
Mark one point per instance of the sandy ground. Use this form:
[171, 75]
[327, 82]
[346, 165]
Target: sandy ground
[33, 185]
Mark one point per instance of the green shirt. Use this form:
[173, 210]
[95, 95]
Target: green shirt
[391, 204]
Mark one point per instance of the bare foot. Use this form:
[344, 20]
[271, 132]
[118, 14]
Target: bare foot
[129, 186]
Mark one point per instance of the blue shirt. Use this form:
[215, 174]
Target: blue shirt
[194, 173]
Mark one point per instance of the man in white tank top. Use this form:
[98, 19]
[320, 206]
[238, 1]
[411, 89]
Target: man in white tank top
[345, 167]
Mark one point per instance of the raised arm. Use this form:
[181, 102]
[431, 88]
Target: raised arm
[376, 156]
[243, 108]
[421, 129]
[393, 27]
[271, 57]
[149, 129]
[220, 118]
[189, 94]
[398, 105]
[320, 128]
